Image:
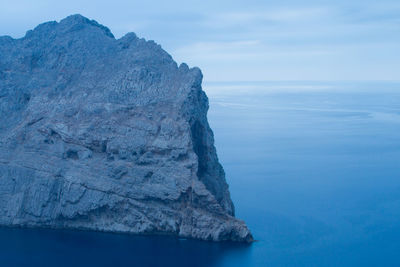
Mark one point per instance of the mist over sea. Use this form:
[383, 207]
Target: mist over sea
[313, 169]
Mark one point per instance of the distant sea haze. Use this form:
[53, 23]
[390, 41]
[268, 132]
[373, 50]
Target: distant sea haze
[314, 169]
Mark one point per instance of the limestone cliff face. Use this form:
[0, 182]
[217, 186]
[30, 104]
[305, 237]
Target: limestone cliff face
[105, 134]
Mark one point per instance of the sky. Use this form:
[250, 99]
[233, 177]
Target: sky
[253, 40]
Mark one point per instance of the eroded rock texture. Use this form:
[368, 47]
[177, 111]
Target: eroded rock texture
[105, 134]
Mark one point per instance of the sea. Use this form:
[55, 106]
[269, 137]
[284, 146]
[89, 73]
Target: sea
[313, 169]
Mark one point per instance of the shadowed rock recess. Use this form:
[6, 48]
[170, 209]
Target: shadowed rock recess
[107, 134]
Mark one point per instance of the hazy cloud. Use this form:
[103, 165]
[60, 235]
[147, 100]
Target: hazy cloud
[256, 40]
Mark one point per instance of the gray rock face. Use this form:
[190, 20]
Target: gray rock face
[109, 135]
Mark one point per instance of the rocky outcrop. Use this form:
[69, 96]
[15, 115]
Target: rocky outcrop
[107, 134]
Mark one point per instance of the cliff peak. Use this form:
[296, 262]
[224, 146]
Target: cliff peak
[109, 135]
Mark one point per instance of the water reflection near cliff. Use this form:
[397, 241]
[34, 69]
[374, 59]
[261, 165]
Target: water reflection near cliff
[41, 247]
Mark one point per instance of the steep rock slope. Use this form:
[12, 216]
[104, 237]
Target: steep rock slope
[105, 134]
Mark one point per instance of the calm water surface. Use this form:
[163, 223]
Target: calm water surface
[313, 168]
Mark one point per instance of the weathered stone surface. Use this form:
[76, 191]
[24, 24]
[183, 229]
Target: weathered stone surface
[105, 134]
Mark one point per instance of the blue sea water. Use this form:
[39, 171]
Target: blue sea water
[313, 169]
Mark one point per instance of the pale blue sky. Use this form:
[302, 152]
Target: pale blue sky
[249, 40]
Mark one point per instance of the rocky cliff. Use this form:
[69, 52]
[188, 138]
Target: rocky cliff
[107, 134]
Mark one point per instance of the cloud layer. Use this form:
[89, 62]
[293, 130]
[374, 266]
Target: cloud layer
[256, 40]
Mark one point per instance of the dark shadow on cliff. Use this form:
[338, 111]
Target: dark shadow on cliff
[40, 247]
